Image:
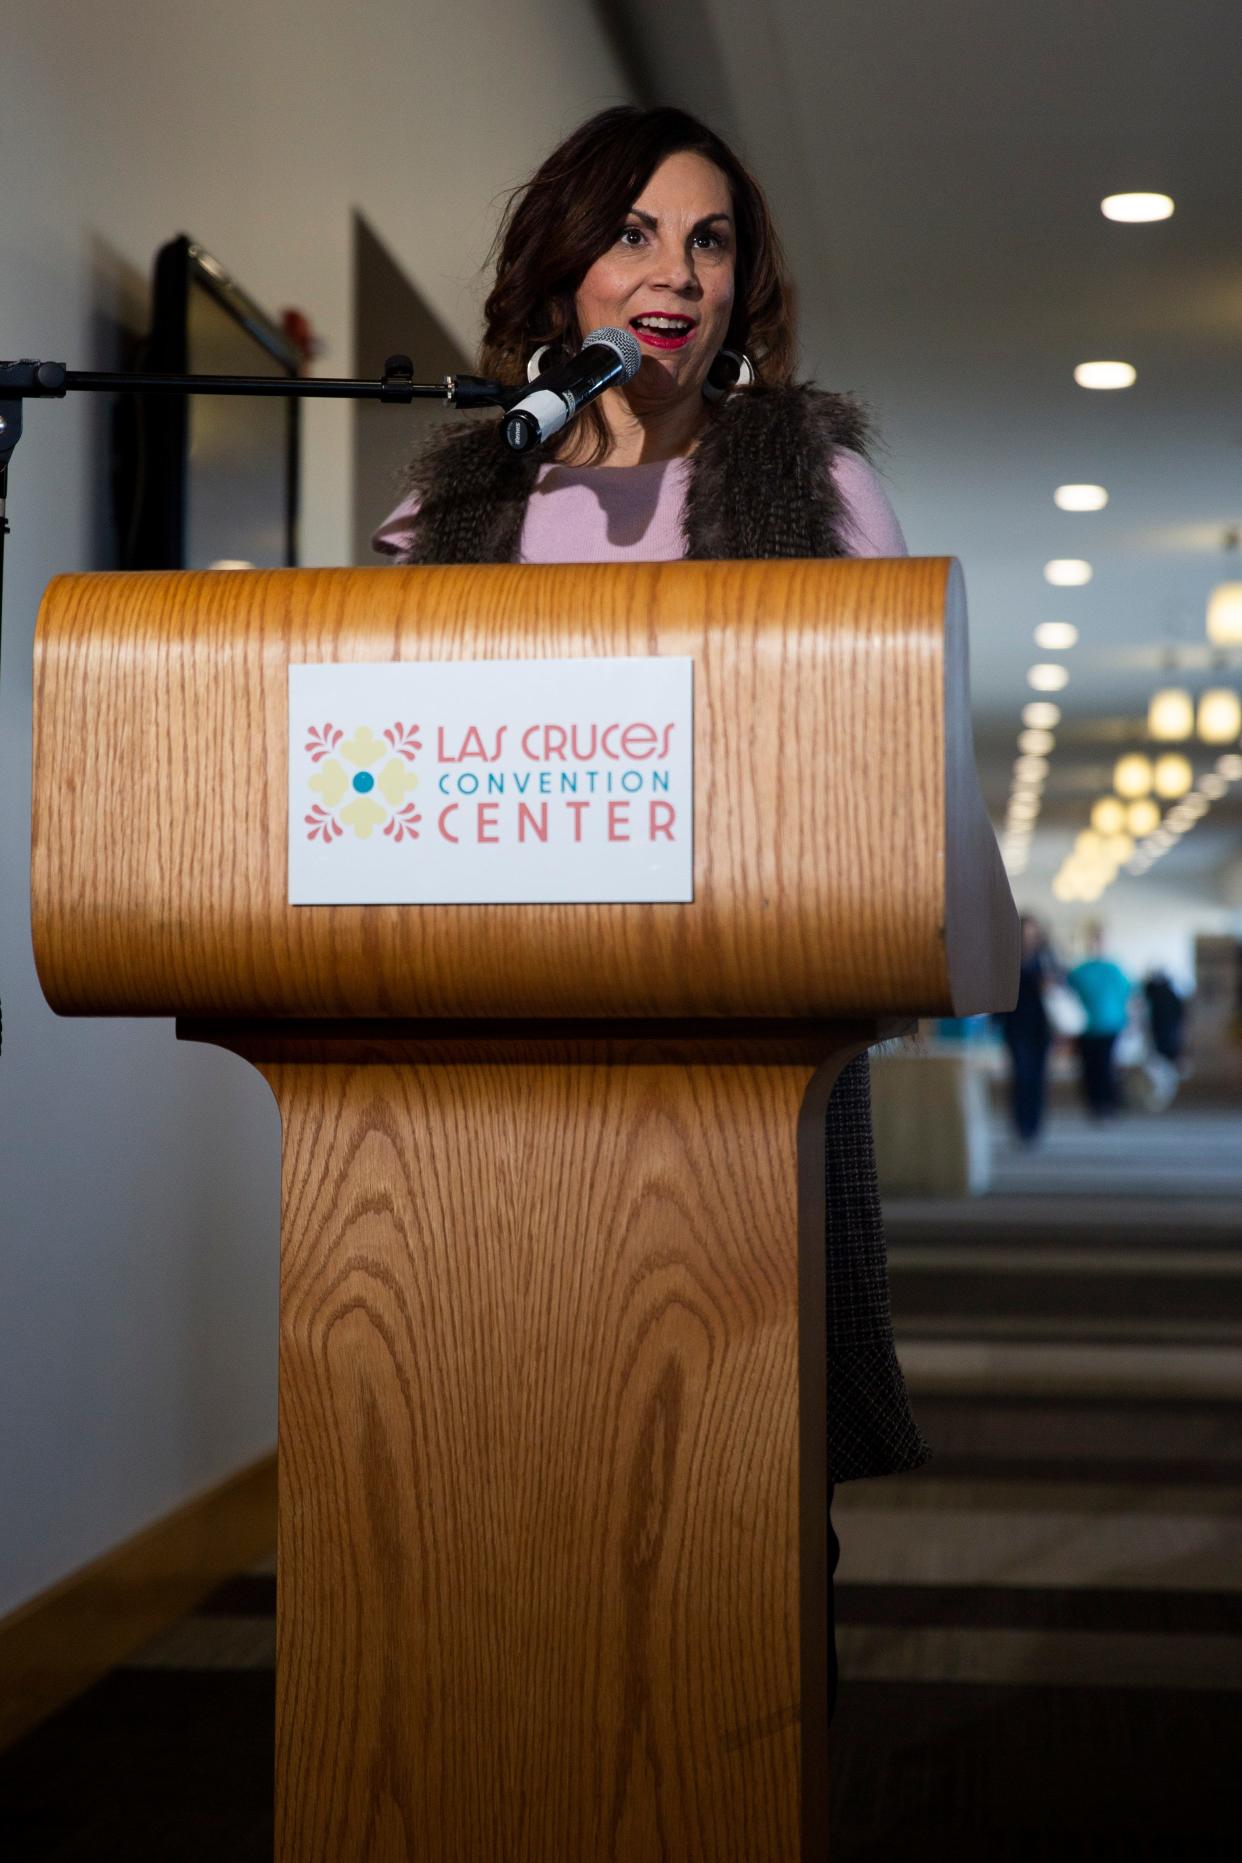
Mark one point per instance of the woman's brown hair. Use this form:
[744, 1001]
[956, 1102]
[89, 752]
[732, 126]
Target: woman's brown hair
[571, 210]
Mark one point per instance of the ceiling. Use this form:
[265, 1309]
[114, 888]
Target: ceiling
[936, 173]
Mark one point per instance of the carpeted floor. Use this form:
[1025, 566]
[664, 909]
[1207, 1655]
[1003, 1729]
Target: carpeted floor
[1040, 1633]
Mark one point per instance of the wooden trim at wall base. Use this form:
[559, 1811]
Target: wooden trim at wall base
[60, 1642]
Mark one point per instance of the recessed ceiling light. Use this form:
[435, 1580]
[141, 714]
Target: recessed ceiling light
[1135, 208]
[1031, 769]
[1229, 766]
[1105, 374]
[1043, 715]
[1080, 497]
[1213, 786]
[1053, 636]
[1047, 678]
[1067, 572]
[1036, 743]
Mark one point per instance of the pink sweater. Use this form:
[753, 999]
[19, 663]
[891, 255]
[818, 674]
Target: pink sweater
[618, 514]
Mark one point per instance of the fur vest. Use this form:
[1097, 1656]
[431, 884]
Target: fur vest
[760, 485]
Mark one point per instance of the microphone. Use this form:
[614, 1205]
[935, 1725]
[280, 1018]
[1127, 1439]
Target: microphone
[608, 358]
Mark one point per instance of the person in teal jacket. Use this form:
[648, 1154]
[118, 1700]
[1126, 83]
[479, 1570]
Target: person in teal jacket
[1104, 990]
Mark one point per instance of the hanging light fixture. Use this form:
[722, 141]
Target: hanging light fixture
[1108, 815]
[1220, 715]
[1224, 609]
[1143, 817]
[1224, 615]
[1133, 776]
[1170, 715]
[1172, 776]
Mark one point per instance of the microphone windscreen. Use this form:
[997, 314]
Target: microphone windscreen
[624, 342]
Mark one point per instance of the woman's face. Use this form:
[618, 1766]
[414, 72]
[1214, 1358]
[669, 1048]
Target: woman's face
[668, 277]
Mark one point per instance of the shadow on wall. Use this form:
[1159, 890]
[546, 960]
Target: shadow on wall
[390, 317]
[120, 317]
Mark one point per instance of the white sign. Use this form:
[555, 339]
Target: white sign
[453, 782]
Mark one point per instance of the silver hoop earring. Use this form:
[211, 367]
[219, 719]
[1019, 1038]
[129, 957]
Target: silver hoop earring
[730, 369]
[535, 366]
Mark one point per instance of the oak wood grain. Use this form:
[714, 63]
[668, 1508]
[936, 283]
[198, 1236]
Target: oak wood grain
[553, 1444]
[840, 844]
[542, 1502]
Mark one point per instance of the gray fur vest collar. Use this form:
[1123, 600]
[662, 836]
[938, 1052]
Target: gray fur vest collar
[761, 483]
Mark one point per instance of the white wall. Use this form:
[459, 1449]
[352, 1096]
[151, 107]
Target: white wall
[138, 1178]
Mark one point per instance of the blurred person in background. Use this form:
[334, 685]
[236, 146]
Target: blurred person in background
[1104, 990]
[1028, 1031]
[1166, 1016]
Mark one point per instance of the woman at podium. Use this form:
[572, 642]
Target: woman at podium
[646, 220]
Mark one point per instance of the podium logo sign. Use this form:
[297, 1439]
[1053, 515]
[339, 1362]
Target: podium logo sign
[491, 782]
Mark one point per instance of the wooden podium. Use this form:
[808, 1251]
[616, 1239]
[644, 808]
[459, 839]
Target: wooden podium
[552, 1533]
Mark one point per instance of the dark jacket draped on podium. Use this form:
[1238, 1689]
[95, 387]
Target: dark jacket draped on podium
[761, 485]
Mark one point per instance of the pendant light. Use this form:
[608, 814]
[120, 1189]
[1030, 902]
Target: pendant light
[1143, 817]
[1224, 615]
[1133, 776]
[1224, 609]
[1170, 715]
[1172, 776]
[1220, 715]
[1108, 815]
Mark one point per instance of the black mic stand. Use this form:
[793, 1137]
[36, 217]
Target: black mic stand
[29, 380]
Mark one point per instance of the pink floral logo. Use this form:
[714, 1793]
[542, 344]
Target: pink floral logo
[363, 782]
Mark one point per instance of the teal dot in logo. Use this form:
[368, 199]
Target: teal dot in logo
[364, 781]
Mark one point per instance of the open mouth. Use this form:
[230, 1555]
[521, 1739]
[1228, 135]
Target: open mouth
[663, 332]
